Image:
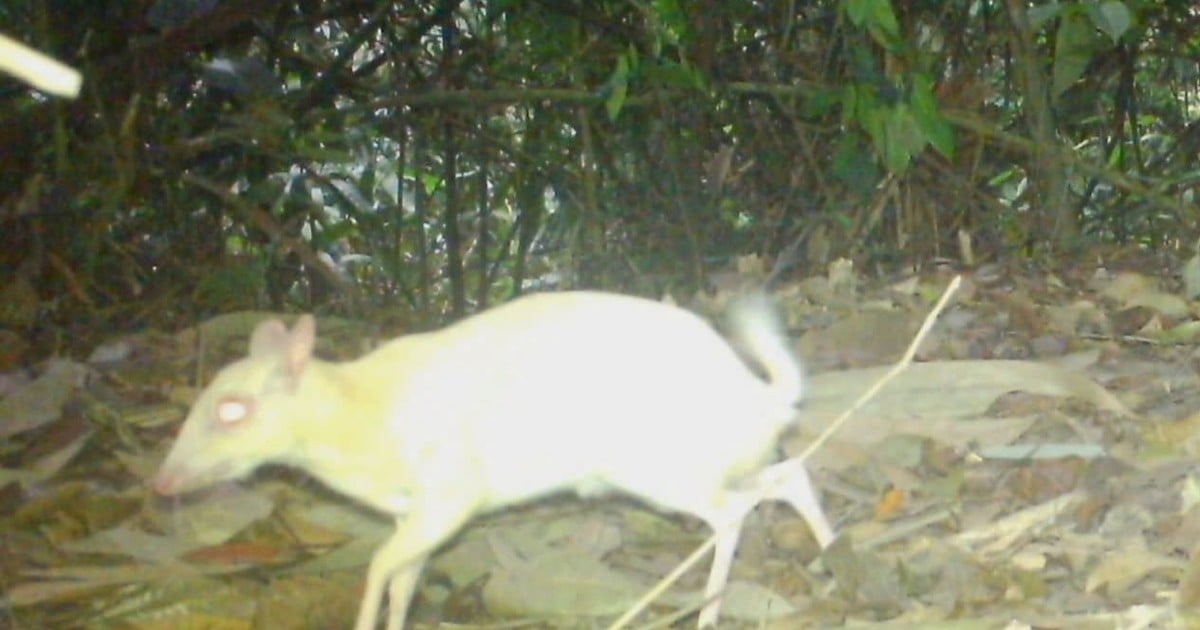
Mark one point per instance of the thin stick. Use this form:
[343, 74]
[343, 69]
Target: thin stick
[665, 583]
[899, 367]
[39, 70]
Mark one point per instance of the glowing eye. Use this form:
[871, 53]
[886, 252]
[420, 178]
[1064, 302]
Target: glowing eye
[232, 410]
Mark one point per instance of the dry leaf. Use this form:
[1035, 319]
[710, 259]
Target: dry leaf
[40, 402]
[935, 400]
[213, 517]
[558, 583]
[1121, 568]
[892, 505]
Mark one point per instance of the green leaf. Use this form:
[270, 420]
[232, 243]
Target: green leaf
[821, 102]
[872, 122]
[1112, 17]
[619, 88]
[697, 78]
[849, 98]
[366, 183]
[877, 16]
[929, 118]
[857, 100]
[903, 139]
[670, 74]
[672, 19]
[853, 164]
[432, 182]
[334, 231]
[1039, 16]
[856, 10]
[1074, 48]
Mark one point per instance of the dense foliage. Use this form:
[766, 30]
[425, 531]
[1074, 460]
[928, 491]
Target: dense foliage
[379, 154]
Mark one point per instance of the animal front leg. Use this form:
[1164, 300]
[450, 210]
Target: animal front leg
[400, 592]
[389, 565]
[368, 610]
[397, 564]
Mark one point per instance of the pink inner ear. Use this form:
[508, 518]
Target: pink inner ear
[300, 344]
[232, 410]
[268, 339]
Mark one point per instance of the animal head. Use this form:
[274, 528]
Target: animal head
[244, 418]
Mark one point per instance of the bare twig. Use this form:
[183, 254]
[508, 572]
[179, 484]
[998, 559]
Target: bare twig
[37, 69]
[899, 367]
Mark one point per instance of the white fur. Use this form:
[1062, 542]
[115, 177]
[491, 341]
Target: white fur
[585, 392]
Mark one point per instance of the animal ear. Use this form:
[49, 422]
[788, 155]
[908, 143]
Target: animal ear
[269, 338]
[300, 344]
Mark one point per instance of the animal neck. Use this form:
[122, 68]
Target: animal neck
[344, 434]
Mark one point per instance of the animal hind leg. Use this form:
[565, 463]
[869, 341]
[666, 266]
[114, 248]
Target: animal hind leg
[788, 481]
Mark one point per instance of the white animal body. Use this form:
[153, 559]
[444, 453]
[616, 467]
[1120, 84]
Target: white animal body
[578, 391]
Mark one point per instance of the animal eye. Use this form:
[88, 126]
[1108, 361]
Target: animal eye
[233, 410]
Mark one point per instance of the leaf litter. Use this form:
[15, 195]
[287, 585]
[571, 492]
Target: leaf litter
[1035, 467]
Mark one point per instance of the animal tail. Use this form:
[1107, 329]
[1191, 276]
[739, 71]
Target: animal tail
[754, 322]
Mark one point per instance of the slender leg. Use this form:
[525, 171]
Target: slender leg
[398, 565]
[368, 610]
[788, 481]
[718, 577]
[728, 529]
[400, 592]
[399, 561]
